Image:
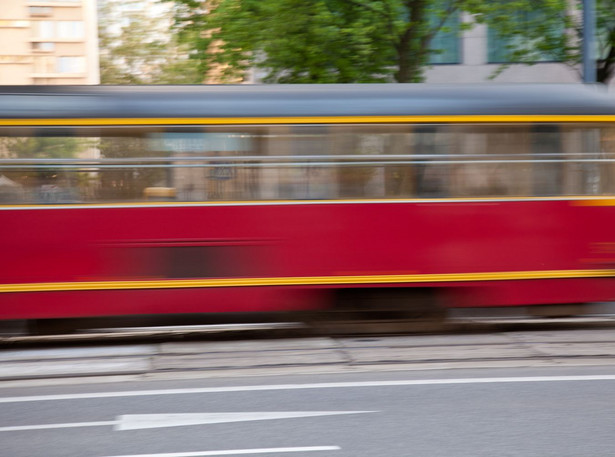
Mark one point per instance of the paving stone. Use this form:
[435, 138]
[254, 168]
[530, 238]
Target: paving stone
[533, 348]
[575, 349]
[422, 354]
[248, 359]
[248, 345]
[564, 336]
[77, 352]
[83, 367]
[425, 340]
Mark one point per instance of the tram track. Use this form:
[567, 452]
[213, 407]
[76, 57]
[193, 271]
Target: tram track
[290, 330]
[154, 355]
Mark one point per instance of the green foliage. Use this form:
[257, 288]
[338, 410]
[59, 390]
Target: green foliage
[605, 42]
[538, 30]
[316, 41]
[137, 55]
[337, 41]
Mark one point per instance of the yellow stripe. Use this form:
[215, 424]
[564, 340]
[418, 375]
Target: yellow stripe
[604, 201]
[479, 118]
[303, 281]
[574, 199]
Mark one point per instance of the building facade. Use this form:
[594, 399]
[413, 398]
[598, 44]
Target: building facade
[478, 54]
[48, 42]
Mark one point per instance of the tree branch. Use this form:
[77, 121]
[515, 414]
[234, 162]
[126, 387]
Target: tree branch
[388, 16]
[447, 14]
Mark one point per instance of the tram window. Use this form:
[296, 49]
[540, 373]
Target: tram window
[487, 157]
[399, 179]
[433, 176]
[607, 151]
[546, 145]
[10, 191]
[594, 174]
[308, 178]
[309, 140]
[360, 181]
[311, 162]
[595, 178]
[587, 154]
[39, 182]
[201, 170]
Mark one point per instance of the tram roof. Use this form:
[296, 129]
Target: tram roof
[219, 101]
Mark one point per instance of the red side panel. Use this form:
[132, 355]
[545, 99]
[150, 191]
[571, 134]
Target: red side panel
[298, 240]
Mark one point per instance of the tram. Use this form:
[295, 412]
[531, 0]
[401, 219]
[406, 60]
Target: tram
[160, 200]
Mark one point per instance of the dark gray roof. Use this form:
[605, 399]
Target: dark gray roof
[301, 100]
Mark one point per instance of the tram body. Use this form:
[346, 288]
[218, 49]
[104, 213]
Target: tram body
[218, 199]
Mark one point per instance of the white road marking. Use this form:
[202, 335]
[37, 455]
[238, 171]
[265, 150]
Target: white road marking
[46, 426]
[324, 385]
[272, 450]
[143, 421]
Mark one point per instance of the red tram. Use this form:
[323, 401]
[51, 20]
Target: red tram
[120, 201]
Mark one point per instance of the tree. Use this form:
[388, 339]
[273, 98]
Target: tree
[324, 41]
[140, 50]
[538, 30]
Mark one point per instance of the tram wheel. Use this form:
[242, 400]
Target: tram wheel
[380, 311]
[51, 326]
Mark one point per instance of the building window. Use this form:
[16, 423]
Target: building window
[43, 46]
[70, 65]
[445, 44]
[40, 10]
[4, 24]
[70, 29]
[44, 64]
[501, 48]
[44, 29]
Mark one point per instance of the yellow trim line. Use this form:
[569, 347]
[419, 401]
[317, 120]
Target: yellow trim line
[303, 281]
[421, 119]
[575, 200]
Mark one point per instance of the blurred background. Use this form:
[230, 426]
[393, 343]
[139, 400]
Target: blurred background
[293, 41]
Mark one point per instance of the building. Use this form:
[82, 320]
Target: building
[48, 42]
[476, 55]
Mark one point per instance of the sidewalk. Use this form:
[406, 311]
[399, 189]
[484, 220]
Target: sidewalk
[318, 354]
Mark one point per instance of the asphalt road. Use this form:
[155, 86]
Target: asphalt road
[554, 411]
